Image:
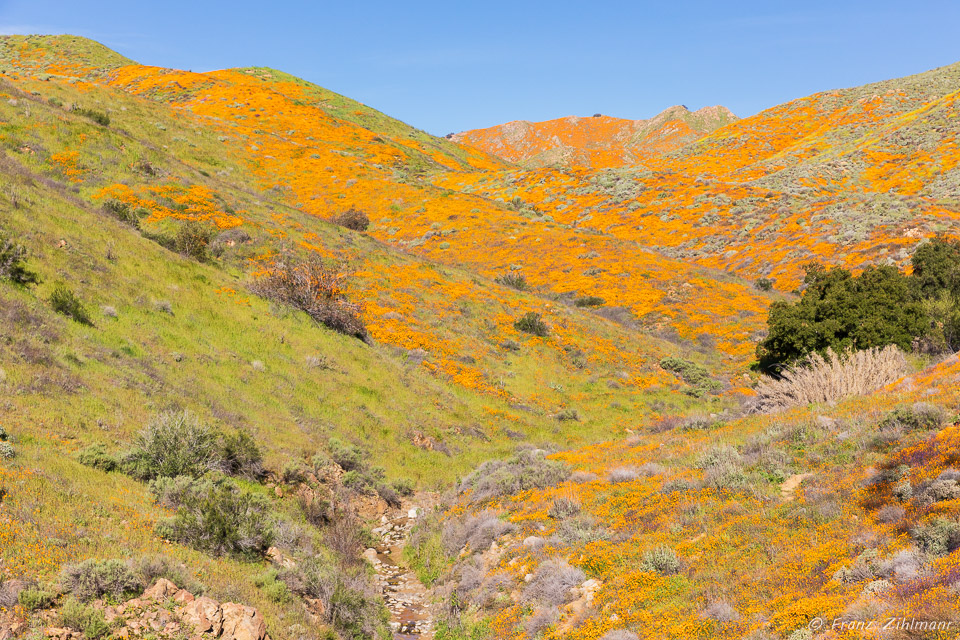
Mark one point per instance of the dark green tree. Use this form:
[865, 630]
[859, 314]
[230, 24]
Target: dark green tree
[936, 267]
[840, 311]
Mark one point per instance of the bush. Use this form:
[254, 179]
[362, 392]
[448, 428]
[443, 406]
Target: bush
[532, 323]
[763, 284]
[348, 456]
[122, 212]
[589, 301]
[86, 618]
[315, 287]
[619, 634]
[528, 469]
[827, 379]
[349, 602]
[840, 312]
[552, 582]
[938, 538]
[274, 589]
[476, 531]
[563, 508]
[513, 280]
[65, 302]
[7, 452]
[936, 267]
[919, 416]
[12, 263]
[151, 568]
[175, 443]
[240, 456]
[403, 486]
[93, 579]
[192, 240]
[352, 219]
[693, 374]
[662, 559]
[723, 468]
[541, 620]
[623, 474]
[221, 520]
[33, 599]
[99, 117]
[96, 456]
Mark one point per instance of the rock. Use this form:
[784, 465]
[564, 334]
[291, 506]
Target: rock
[242, 623]
[160, 591]
[413, 512]
[205, 614]
[278, 492]
[371, 555]
[183, 597]
[534, 542]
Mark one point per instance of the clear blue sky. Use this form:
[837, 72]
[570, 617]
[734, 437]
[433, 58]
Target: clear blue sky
[455, 65]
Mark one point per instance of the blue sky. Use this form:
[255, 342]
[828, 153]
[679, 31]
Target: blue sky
[456, 65]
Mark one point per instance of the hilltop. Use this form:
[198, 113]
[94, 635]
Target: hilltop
[599, 141]
[256, 334]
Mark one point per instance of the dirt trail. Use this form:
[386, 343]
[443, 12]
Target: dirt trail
[411, 616]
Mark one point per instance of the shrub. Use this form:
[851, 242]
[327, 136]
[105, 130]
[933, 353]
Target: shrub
[623, 474]
[240, 456]
[541, 620]
[274, 589]
[568, 415]
[840, 312]
[33, 599]
[619, 634]
[528, 469]
[721, 611]
[513, 280]
[552, 582]
[828, 379]
[175, 443]
[589, 301]
[563, 508]
[86, 618]
[693, 374]
[65, 302]
[192, 240]
[151, 568]
[938, 538]
[580, 530]
[347, 456]
[221, 520]
[891, 514]
[7, 452]
[349, 602]
[389, 495]
[92, 579]
[425, 552]
[661, 559]
[315, 287]
[12, 263]
[936, 267]
[353, 219]
[96, 456]
[919, 416]
[476, 531]
[122, 212]
[532, 323]
[403, 486]
[723, 468]
[99, 117]
[763, 284]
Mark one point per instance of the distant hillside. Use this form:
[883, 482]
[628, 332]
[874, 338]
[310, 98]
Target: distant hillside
[599, 141]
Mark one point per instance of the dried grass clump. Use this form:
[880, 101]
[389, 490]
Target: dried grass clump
[828, 379]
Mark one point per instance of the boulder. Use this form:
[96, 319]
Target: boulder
[242, 623]
[204, 614]
[162, 590]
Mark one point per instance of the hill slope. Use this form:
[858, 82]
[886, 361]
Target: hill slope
[599, 141]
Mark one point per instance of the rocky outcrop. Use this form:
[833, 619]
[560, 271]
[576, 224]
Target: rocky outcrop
[163, 612]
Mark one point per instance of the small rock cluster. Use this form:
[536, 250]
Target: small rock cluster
[163, 612]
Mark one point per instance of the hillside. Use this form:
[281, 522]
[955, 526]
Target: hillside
[173, 405]
[600, 141]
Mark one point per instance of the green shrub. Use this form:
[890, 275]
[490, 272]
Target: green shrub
[840, 311]
[192, 240]
[919, 416]
[221, 520]
[272, 588]
[96, 456]
[563, 508]
[938, 538]
[661, 559]
[55, 102]
[7, 452]
[403, 486]
[316, 288]
[424, 552]
[353, 219]
[33, 599]
[532, 323]
[528, 469]
[239, 455]
[99, 117]
[122, 212]
[12, 263]
[936, 267]
[513, 280]
[65, 302]
[693, 374]
[763, 284]
[349, 457]
[589, 301]
[151, 568]
[85, 618]
[92, 579]
[175, 443]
